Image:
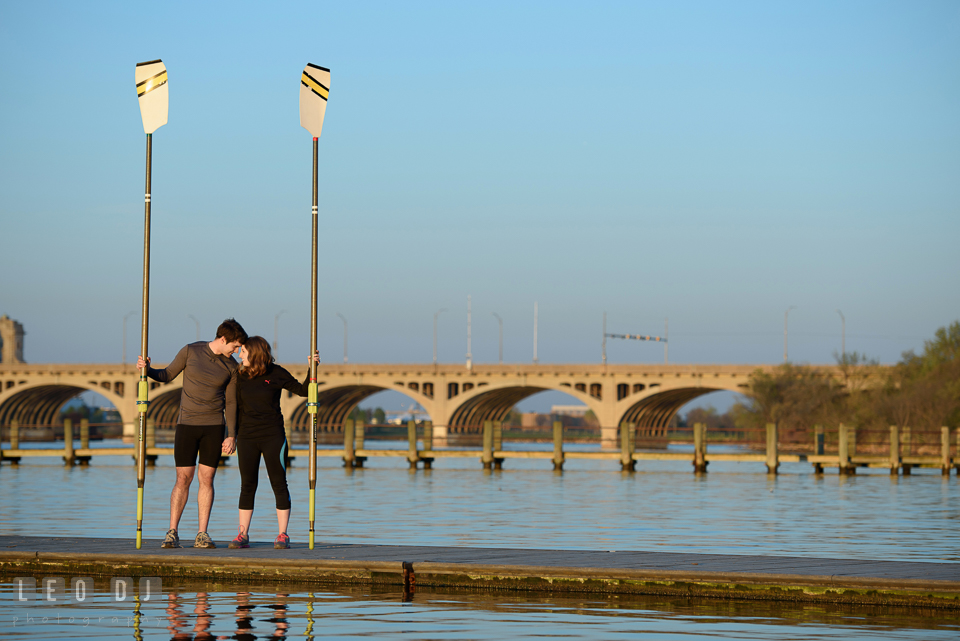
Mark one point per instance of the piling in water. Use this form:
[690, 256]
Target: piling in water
[412, 456]
[906, 447]
[68, 457]
[558, 445]
[945, 451]
[427, 444]
[348, 451]
[773, 460]
[84, 441]
[359, 441]
[699, 448]
[487, 458]
[627, 464]
[894, 450]
[843, 451]
[818, 440]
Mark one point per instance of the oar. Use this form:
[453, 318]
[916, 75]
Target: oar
[314, 90]
[153, 94]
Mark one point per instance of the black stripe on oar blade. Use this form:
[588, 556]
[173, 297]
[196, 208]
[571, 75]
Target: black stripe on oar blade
[149, 62]
[151, 76]
[314, 85]
[314, 91]
[152, 83]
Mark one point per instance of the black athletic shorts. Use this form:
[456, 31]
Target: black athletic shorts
[207, 440]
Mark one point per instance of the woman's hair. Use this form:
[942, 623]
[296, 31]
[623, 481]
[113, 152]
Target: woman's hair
[258, 350]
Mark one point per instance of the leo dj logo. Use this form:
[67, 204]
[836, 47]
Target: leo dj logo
[55, 591]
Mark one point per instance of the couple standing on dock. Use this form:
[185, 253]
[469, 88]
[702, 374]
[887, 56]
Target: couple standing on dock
[226, 406]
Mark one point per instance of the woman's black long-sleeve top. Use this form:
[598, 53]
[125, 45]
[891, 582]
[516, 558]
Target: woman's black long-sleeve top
[259, 401]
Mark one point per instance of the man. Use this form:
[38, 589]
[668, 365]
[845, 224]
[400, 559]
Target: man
[207, 403]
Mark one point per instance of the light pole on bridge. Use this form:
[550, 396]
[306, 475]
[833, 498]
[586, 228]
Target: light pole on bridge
[604, 344]
[344, 319]
[276, 327]
[190, 316]
[469, 342]
[500, 320]
[535, 328]
[666, 341]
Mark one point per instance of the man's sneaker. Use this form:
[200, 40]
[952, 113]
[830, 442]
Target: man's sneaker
[171, 540]
[282, 542]
[203, 540]
[242, 541]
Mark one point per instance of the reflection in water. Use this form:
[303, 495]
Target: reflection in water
[178, 621]
[244, 620]
[245, 612]
[137, 615]
[175, 616]
[309, 631]
[201, 610]
[279, 618]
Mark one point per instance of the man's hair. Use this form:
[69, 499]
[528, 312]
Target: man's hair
[258, 353]
[231, 331]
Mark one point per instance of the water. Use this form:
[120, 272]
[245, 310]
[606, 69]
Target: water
[205, 611]
[736, 508]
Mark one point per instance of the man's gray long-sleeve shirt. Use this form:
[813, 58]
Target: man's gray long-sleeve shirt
[209, 386]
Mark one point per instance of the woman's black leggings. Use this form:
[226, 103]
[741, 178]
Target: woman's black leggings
[273, 448]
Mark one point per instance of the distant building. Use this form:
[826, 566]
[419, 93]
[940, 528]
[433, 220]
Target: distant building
[569, 410]
[532, 419]
[11, 341]
[569, 415]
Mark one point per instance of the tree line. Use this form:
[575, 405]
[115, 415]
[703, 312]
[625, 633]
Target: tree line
[922, 391]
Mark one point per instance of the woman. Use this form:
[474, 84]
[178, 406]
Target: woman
[260, 432]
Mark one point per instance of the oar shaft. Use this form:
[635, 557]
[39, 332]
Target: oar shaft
[312, 398]
[142, 388]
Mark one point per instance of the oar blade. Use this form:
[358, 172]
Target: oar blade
[153, 93]
[314, 91]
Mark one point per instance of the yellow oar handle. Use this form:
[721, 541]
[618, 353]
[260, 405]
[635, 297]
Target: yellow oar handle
[142, 391]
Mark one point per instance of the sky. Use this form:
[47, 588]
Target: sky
[714, 164]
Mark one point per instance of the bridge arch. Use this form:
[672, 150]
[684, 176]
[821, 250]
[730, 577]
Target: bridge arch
[164, 407]
[336, 402]
[653, 411]
[40, 403]
[493, 402]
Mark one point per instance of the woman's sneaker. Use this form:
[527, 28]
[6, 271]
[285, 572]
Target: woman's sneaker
[171, 540]
[242, 541]
[203, 540]
[282, 542]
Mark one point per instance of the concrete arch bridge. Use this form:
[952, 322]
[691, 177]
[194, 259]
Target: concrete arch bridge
[457, 399]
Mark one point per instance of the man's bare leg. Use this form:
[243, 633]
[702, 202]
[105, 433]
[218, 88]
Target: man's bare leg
[205, 494]
[180, 494]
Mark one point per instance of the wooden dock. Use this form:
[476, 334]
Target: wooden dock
[492, 454]
[555, 571]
